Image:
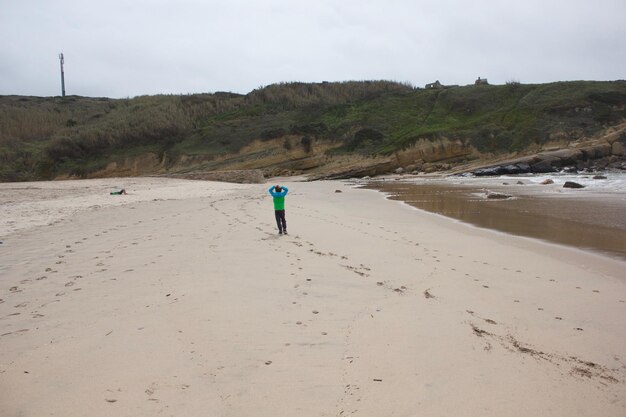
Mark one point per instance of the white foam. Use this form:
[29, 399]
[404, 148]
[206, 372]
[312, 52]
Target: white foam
[615, 182]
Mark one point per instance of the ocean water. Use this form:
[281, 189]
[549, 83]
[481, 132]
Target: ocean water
[592, 218]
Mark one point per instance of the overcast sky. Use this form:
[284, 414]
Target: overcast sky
[125, 48]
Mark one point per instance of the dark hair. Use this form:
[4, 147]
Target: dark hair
[277, 189]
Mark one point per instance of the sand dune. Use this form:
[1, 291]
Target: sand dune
[181, 299]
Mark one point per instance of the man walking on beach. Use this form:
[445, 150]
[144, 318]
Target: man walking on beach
[279, 194]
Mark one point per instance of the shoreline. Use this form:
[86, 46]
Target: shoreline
[592, 221]
[187, 302]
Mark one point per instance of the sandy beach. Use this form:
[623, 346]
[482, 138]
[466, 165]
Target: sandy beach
[180, 299]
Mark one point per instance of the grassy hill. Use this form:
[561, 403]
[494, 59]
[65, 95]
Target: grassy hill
[41, 138]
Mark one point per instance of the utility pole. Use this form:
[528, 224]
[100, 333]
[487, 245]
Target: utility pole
[62, 74]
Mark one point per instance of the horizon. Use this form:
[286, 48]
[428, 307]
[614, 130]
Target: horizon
[415, 87]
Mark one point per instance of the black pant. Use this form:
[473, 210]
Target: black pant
[280, 220]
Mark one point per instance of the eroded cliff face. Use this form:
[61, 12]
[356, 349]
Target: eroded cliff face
[318, 158]
[144, 164]
[604, 151]
[139, 165]
[443, 149]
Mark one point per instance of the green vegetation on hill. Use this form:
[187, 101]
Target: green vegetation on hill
[43, 137]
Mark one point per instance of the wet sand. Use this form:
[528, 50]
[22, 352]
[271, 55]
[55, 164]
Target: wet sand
[594, 222]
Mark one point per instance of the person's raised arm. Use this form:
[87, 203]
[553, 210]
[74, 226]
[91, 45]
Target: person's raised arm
[285, 189]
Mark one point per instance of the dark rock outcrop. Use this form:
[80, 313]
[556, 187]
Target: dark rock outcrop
[510, 169]
[572, 184]
[497, 196]
[544, 165]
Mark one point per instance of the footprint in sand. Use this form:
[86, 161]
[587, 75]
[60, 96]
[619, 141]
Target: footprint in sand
[17, 331]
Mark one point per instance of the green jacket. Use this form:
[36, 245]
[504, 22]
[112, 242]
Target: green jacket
[279, 198]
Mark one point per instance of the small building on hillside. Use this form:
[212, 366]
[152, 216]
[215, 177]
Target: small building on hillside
[436, 84]
[481, 81]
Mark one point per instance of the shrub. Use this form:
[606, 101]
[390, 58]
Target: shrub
[273, 133]
[307, 144]
[513, 85]
[365, 139]
[313, 129]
